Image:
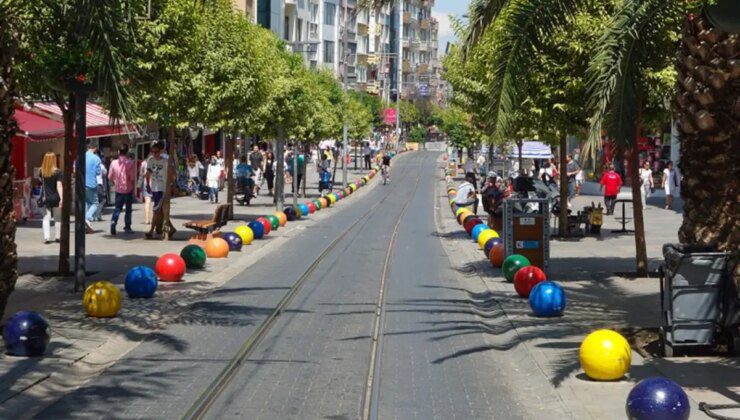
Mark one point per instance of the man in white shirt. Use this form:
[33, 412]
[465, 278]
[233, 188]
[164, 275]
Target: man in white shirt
[467, 196]
[470, 171]
[155, 183]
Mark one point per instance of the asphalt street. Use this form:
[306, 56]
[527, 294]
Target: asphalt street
[435, 358]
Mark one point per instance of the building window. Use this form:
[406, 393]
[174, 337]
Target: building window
[329, 52]
[263, 14]
[299, 30]
[314, 13]
[330, 11]
[286, 29]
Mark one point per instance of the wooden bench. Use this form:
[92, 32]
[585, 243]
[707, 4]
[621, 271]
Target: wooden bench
[207, 228]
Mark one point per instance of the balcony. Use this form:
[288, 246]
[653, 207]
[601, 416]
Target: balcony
[363, 29]
[424, 68]
[424, 46]
[425, 24]
[406, 17]
[362, 58]
[406, 66]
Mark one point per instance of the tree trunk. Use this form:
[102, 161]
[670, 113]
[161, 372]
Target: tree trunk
[708, 116]
[8, 256]
[69, 118]
[640, 246]
[279, 187]
[229, 167]
[306, 150]
[563, 217]
[168, 230]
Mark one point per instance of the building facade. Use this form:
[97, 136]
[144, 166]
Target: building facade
[316, 30]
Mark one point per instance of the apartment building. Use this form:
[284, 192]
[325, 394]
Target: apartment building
[316, 29]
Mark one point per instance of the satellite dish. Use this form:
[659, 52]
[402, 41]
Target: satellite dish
[724, 15]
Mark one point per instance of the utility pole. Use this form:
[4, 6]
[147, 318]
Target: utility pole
[345, 128]
[279, 189]
[400, 71]
[80, 226]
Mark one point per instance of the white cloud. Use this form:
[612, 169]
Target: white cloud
[445, 27]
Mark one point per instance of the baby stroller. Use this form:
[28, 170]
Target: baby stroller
[325, 184]
[244, 191]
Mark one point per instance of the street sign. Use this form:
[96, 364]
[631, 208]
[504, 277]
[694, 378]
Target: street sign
[424, 90]
[389, 116]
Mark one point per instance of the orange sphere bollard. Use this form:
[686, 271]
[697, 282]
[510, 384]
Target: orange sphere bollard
[497, 255]
[282, 218]
[217, 248]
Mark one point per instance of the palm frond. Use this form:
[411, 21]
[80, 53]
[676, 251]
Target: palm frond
[520, 27]
[481, 15]
[615, 75]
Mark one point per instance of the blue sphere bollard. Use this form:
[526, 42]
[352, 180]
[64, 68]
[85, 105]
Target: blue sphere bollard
[26, 334]
[547, 299]
[477, 230]
[235, 241]
[290, 214]
[657, 399]
[140, 282]
[490, 244]
[304, 209]
[257, 228]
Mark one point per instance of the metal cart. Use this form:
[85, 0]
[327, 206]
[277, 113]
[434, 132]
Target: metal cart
[694, 298]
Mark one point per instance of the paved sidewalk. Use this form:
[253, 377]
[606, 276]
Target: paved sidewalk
[597, 298]
[81, 347]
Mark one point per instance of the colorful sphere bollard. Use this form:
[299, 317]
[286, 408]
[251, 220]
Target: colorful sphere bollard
[281, 218]
[290, 214]
[547, 299]
[318, 204]
[298, 212]
[195, 256]
[469, 216]
[512, 264]
[217, 248]
[332, 198]
[246, 233]
[460, 211]
[490, 244]
[526, 278]
[470, 223]
[258, 229]
[477, 229]
[170, 268]
[311, 207]
[324, 202]
[235, 241]
[274, 221]
[485, 236]
[605, 355]
[265, 224]
[140, 282]
[304, 209]
[26, 334]
[102, 299]
[657, 398]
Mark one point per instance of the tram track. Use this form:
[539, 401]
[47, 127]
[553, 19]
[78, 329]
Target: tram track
[200, 408]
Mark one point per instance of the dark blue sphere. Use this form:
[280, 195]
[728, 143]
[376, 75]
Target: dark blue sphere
[141, 282]
[657, 399]
[290, 214]
[490, 244]
[547, 299]
[26, 334]
[235, 241]
[258, 229]
[477, 229]
[304, 209]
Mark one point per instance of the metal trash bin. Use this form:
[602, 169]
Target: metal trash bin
[692, 282]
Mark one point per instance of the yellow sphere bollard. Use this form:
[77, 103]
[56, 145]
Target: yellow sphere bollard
[246, 233]
[102, 299]
[332, 198]
[605, 355]
[484, 236]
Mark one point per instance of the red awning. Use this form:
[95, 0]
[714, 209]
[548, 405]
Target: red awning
[37, 127]
[99, 123]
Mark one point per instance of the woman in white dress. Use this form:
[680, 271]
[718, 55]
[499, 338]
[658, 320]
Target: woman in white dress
[670, 184]
[646, 183]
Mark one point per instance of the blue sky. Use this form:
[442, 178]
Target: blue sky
[442, 9]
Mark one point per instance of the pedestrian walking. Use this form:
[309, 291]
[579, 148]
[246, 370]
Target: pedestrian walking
[579, 182]
[121, 174]
[146, 195]
[156, 182]
[222, 178]
[547, 173]
[482, 165]
[572, 168]
[647, 185]
[670, 183]
[102, 192]
[467, 196]
[611, 182]
[470, 172]
[213, 177]
[269, 174]
[366, 153]
[256, 160]
[194, 168]
[92, 171]
[51, 197]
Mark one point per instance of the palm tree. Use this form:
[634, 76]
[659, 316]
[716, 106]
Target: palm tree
[9, 40]
[617, 82]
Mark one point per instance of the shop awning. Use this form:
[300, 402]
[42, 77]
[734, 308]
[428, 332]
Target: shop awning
[99, 123]
[531, 150]
[37, 127]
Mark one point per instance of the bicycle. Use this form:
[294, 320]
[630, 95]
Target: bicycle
[384, 172]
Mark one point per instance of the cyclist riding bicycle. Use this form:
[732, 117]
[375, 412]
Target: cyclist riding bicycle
[386, 167]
